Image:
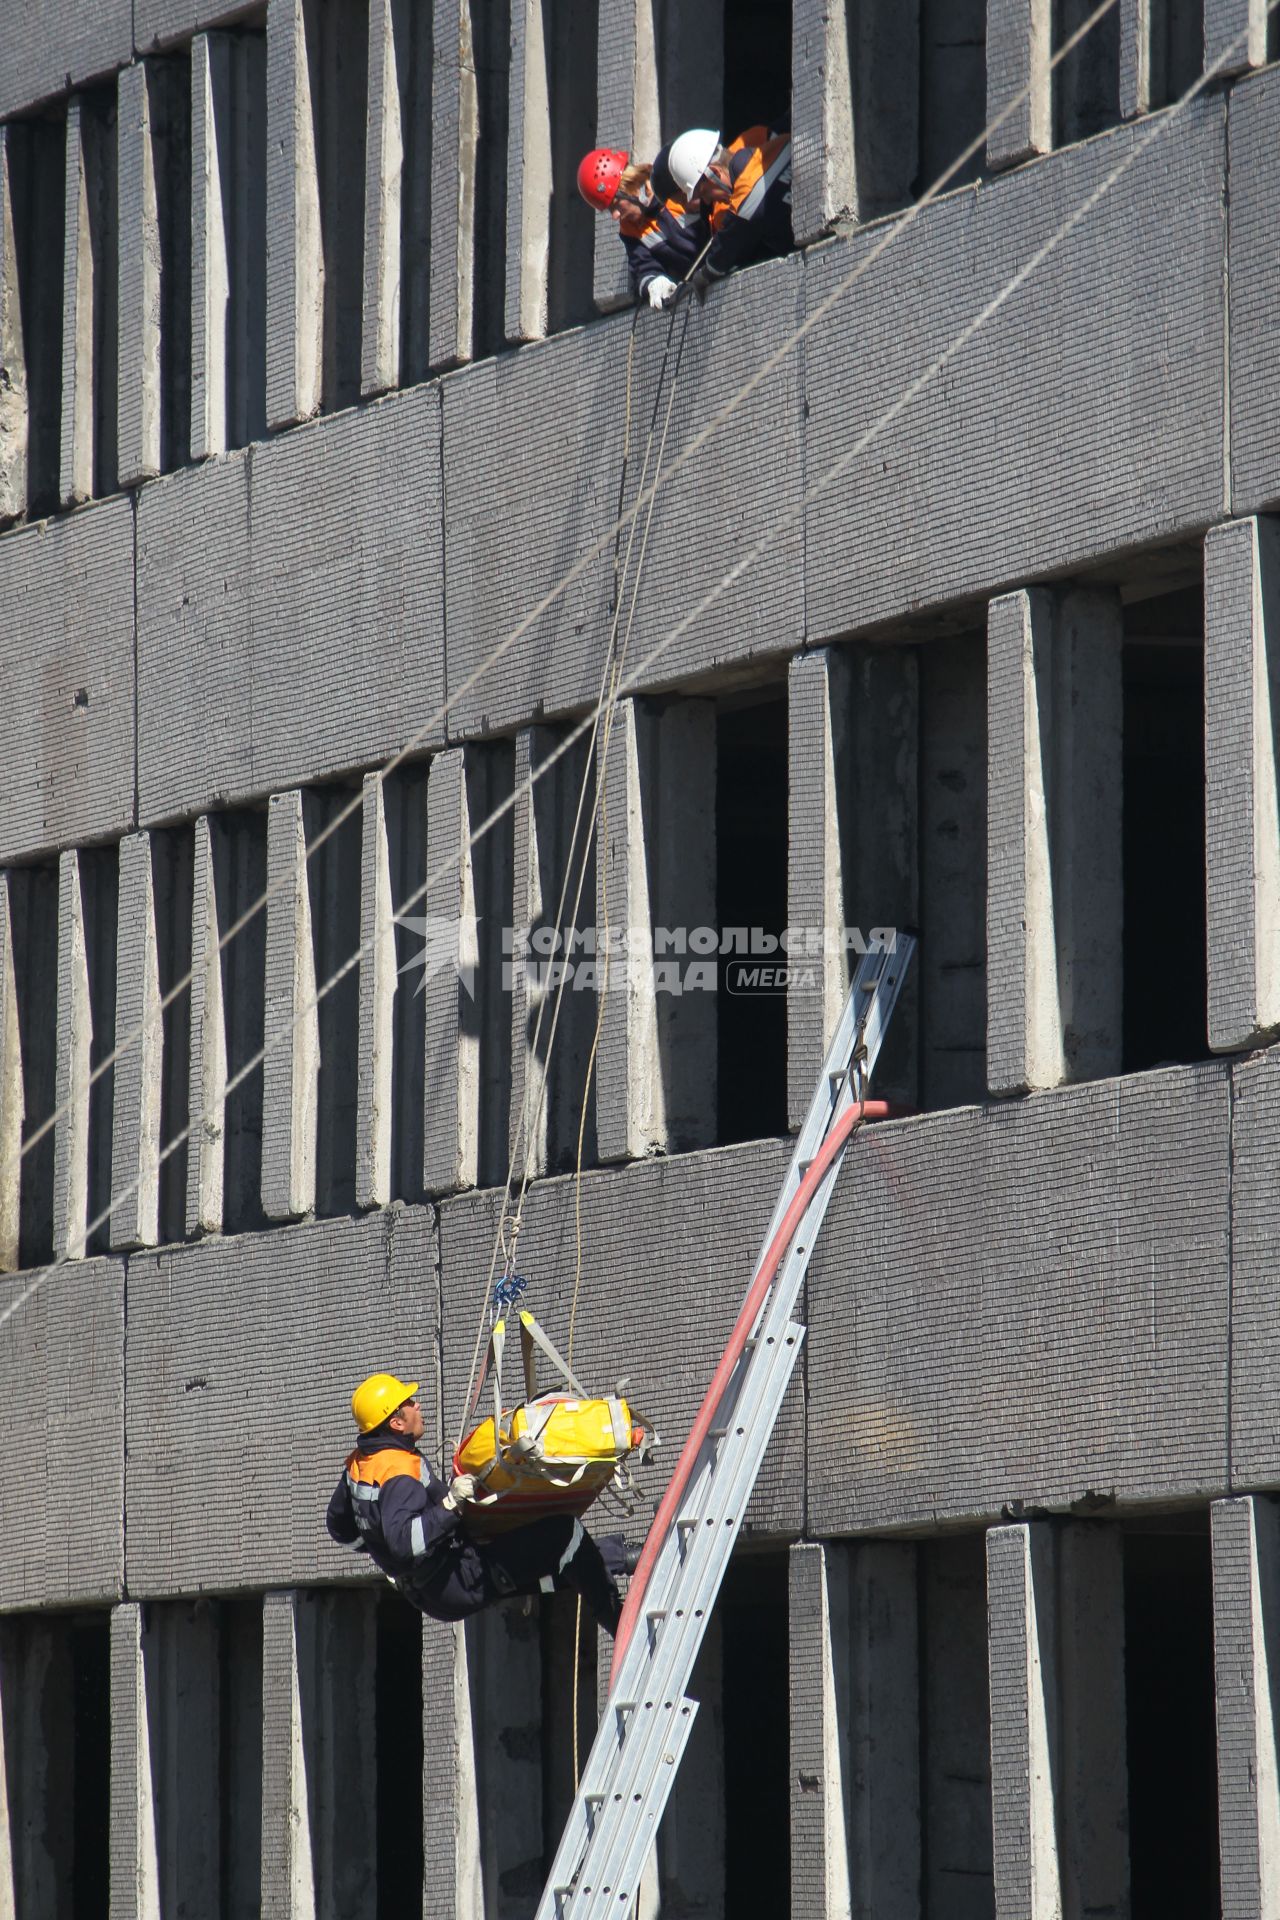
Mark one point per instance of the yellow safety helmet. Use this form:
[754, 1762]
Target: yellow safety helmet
[377, 1398]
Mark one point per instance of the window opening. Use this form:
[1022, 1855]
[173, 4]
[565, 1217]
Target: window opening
[751, 892]
[1171, 1736]
[955, 1734]
[1165, 963]
[571, 31]
[404, 796]
[172, 863]
[1086, 84]
[1177, 48]
[239, 846]
[757, 66]
[491, 45]
[100, 894]
[37, 172]
[98, 133]
[90, 1764]
[337, 36]
[756, 1696]
[952, 961]
[169, 84]
[953, 88]
[240, 1755]
[490, 774]
[33, 897]
[333, 878]
[399, 1756]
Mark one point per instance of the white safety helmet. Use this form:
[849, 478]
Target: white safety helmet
[690, 156]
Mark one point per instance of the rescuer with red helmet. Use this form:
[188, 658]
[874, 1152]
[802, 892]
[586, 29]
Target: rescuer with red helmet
[663, 238]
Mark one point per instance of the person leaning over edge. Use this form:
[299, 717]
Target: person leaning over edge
[389, 1504]
[744, 189]
[663, 238]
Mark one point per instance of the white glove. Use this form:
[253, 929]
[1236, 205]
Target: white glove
[461, 1487]
[660, 291]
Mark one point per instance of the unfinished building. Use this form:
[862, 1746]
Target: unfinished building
[320, 406]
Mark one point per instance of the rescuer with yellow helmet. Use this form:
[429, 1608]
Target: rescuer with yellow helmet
[389, 1504]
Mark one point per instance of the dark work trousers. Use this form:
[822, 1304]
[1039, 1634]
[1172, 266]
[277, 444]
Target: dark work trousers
[547, 1556]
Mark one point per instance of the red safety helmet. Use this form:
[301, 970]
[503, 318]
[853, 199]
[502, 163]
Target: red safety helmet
[600, 176]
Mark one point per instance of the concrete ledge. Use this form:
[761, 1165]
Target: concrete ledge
[291, 608]
[1026, 1302]
[52, 45]
[219, 1333]
[62, 1428]
[67, 681]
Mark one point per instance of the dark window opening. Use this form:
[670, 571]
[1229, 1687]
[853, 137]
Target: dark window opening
[33, 906]
[953, 89]
[1165, 969]
[1086, 82]
[240, 1756]
[411, 26]
[757, 1737]
[566, 1633]
[37, 172]
[951, 964]
[172, 862]
[955, 1731]
[571, 31]
[333, 879]
[490, 775]
[91, 1766]
[337, 37]
[1273, 34]
[238, 77]
[100, 158]
[100, 896]
[757, 66]
[751, 892]
[566, 868]
[491, 47]
[1170, 1727]
[169, 85]
[398, 1719]
[405, 802]
[1177, 49]
[239, 846]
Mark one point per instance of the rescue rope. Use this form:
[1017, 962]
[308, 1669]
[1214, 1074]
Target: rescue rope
[424, 732]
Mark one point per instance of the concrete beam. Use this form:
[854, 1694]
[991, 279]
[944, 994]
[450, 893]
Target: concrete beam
[452, 1117]
[288, 1869]
[291, 1067]
[141, 269]
[628, 115]
[89, 328]
[855, 1768]
[13, 359]
[75, 1037]
[135, 1856]
[377, 1005]
[208, 1082]
[823, 172]
[453, 1882]
[295, 260]
[655, 866]
[1246, 1621]
[1018, 54]
[138, 1074]
[528, 175]
[1235, 34]
[1058, 1773]
[12, 1093]
[818, 700]
[1055, 892]
[455, 132]
[1242, 791]
[397, 233]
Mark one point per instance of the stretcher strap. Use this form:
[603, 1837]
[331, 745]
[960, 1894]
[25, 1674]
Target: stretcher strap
[531, 1336]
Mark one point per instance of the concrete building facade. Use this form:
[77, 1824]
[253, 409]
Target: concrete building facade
[326, 435]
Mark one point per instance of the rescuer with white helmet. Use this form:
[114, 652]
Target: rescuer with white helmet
[744, 190]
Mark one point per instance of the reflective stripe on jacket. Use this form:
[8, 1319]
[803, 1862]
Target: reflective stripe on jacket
[756, 220]
[664, 236]
[386, 1502]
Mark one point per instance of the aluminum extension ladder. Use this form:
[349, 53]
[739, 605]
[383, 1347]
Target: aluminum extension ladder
[647, 1721]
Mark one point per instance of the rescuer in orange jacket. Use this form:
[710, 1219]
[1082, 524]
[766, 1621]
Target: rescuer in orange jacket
[744, 189]
[389, 1504]
[663, 238]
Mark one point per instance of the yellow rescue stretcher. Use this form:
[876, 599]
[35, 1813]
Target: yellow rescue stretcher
[554, 1452]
